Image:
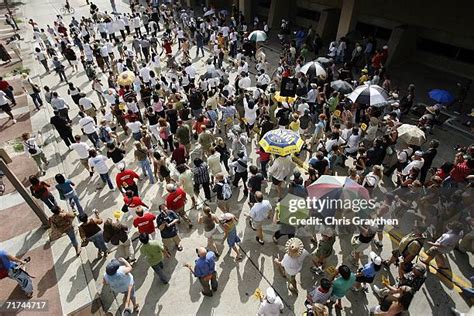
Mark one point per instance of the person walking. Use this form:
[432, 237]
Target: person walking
[259, 213]
[223, 192]
[90, 230]
[271, 304]
[229, 223]
[145, 222]
[98, 163]
[125, 179]
[167, 222]
[119, 278]
[66, 190]
[176, 201]
[82, 150]
[32, 149]
[116, 233]
[63, 127]
[40, 190]
[9, 267]
[211, 223]
[205, 270]
[32, 89]
[292, 261]
[61, 223]
[5, 107]
[89, 127]
[141, 156]
[201, 178]
[59, 68]
[154, 254]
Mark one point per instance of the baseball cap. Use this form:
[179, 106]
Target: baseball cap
[375, 258]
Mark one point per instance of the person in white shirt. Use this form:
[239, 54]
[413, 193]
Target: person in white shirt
[352, 142]
[87, 106]
[312, 96]
[98, 163]
[89, 128]
[417, 161]
[191, 71]
[82, 150]
[60, 105]
[250, 113]
[259, 213]
[292, 261]
[32, 149]
[263, 80]
[281, 168]
[145, 73]
[244, 82]
[135, 127]
[271, 304]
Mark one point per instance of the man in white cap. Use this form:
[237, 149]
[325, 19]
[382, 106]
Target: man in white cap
[417, 161]
[368, 272]
[271, 304]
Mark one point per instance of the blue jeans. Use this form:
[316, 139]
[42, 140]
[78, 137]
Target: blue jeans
[199, 48]
[196, 113]
[73, 198]
[159, 270]
[146, 167]
[94, 138]
[137, 136]
[72, 236]
[50, 201]
[99, 242]
[106, 179]
[36, 100]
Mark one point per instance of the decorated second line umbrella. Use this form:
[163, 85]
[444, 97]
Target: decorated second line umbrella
[281, 142]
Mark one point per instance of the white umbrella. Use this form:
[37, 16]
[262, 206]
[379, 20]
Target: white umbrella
[257, 36]
[209, 12]
[313, 69]
[411, 134]
[369, 94]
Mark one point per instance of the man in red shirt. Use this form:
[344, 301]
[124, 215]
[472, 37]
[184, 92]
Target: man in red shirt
[461, 169]
[145, 222]
[125, 179]
[5, 87]
[179, 154]
[176, 200]
[133, 202]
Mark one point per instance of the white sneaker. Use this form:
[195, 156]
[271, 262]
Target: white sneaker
[14, 121]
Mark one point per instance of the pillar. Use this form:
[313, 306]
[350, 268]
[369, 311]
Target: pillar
[327, 25]
[245, 6]
[348, 17]
[280, 10]
[401, 44]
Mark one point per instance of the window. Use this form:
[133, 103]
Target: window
[446, 50]
[308, 14]
[373, 30]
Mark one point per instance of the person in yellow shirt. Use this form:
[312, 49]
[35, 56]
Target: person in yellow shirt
[295, 122]
[364, 77]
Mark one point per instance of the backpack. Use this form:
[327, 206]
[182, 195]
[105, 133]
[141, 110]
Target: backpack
[407, 240]
[104, 135]
[226, 190]
[31, 148]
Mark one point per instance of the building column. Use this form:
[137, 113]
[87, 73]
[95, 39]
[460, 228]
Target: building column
[348, 17]
[401, 44]
[327, 25]
[245, 6]
[279, 10]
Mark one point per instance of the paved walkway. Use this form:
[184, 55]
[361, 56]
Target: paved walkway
[72, 283]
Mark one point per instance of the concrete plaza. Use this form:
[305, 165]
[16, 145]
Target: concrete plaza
[73, 285]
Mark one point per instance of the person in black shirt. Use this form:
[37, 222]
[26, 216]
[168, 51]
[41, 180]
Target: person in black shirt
[320, 164]
[63, 128]
[265, 126]
[195, 102]
[428, 157]
[115, 153]
[283, 115]
[254, 184]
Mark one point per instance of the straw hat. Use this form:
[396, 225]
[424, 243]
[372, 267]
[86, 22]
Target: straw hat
[294, 247]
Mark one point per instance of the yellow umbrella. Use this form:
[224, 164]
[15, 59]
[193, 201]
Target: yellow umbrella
[279, 98]
[126, 78]
[281, 142]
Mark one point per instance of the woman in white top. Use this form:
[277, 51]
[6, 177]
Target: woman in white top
[281, 168]
[31, 147]
[250, 114]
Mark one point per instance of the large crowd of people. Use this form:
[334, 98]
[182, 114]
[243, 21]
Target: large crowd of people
[196, 134]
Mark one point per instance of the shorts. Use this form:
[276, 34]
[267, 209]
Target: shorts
[364, 279]
[6, 107]
[171, 242]
[275, 181]
[362, 246]
[132, 294]
[433, 252]
[257, 224]
[91, 112]
[321, 253]
[211, 233]
[85, 162]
